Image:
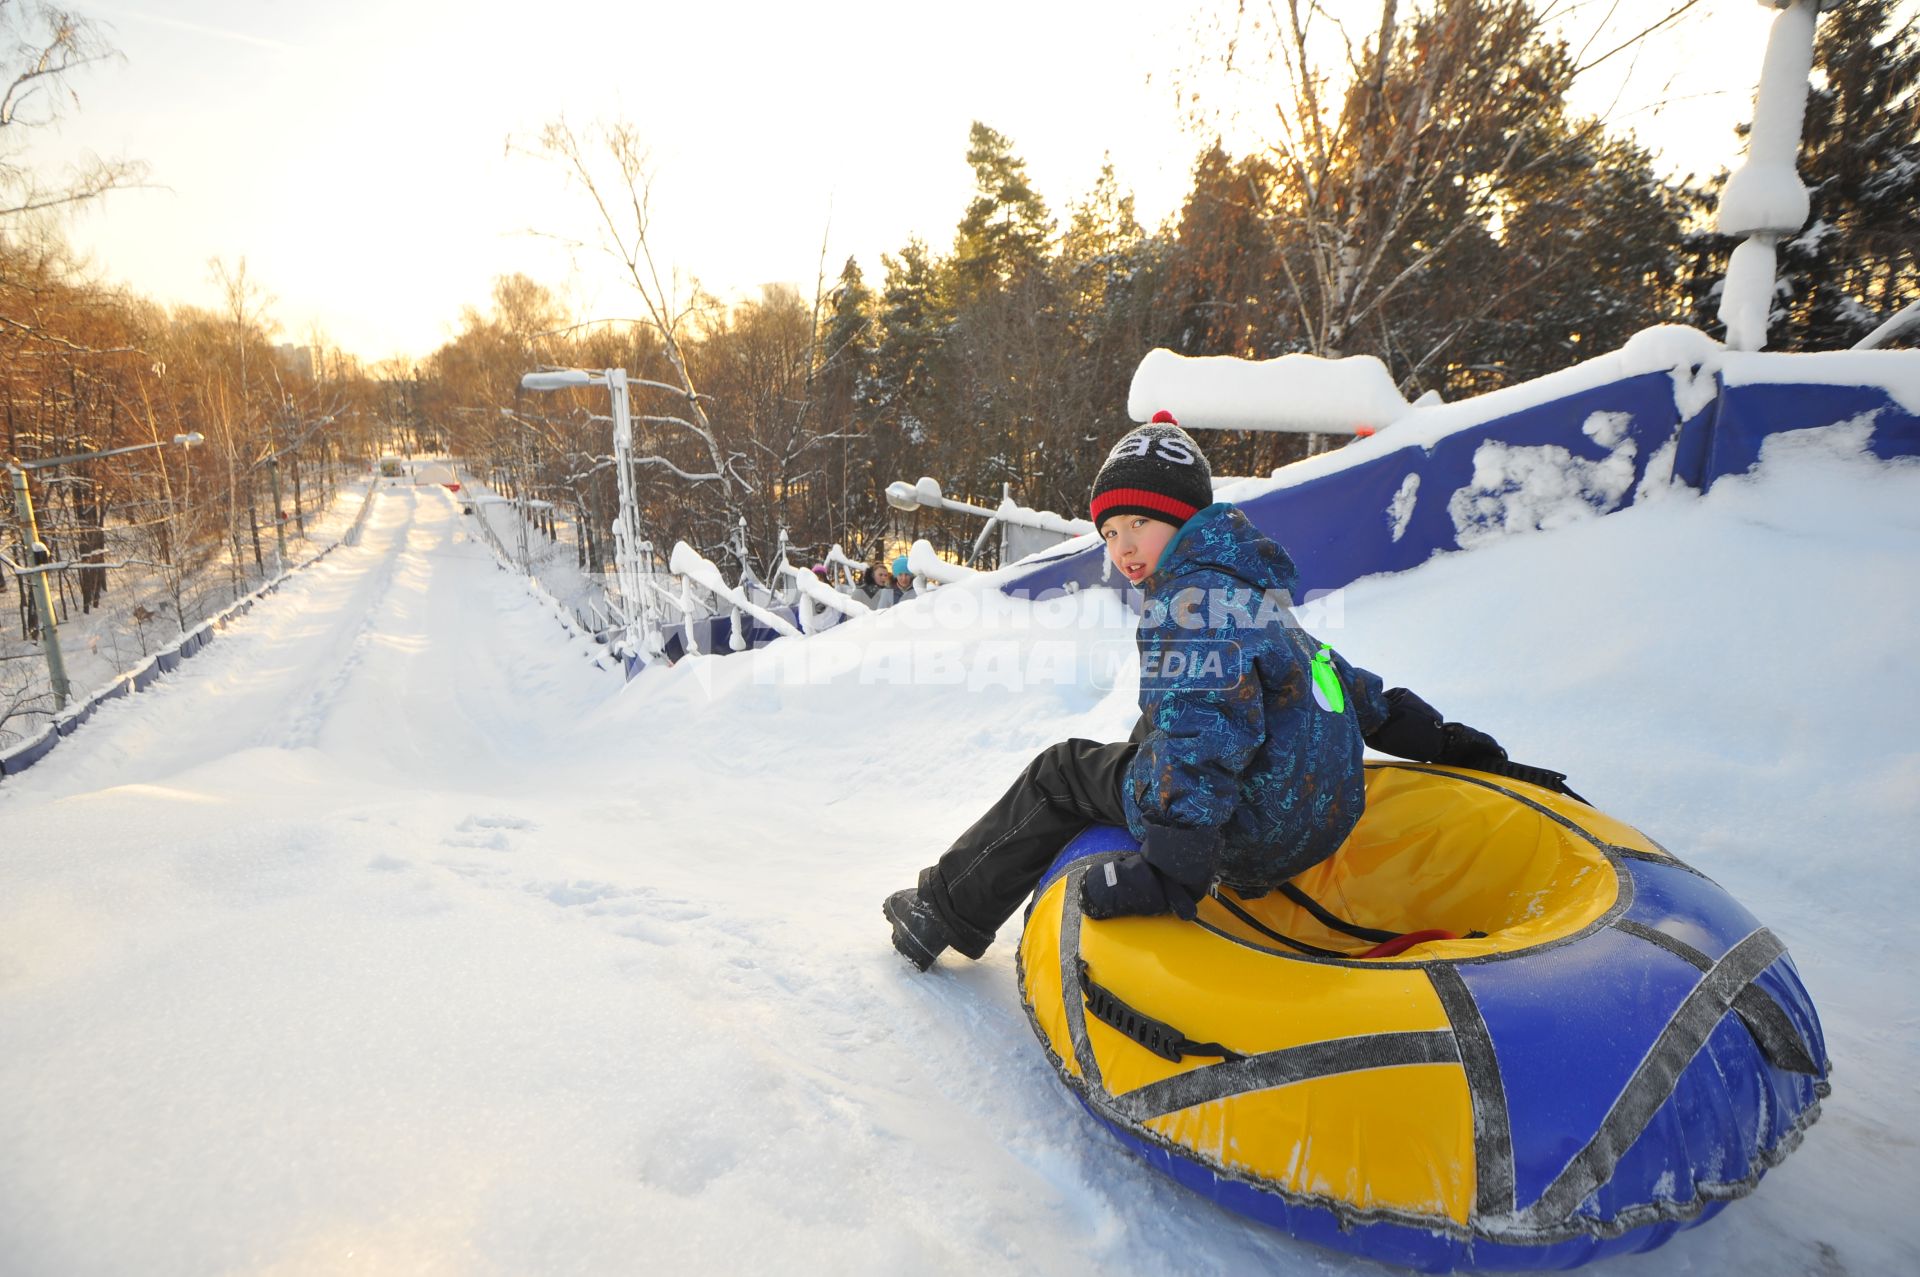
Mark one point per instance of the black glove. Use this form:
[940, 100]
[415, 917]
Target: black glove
[1413, 729]
[1130, 887]
[1468, 747]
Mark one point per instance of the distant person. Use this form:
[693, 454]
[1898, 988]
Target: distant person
[1245, 767]
[876, 587]
[902, 578]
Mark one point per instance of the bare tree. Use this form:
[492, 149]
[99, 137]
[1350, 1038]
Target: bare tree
[610, 166]
[1423, 139]
[43, 47]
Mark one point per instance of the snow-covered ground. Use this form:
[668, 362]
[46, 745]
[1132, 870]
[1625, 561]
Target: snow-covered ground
[392, 935]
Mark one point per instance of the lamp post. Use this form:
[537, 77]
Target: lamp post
[1764, 200]
[626, 525]
[40, 555]
[926, 495]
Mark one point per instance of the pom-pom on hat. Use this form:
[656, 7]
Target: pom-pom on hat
[1157, 470]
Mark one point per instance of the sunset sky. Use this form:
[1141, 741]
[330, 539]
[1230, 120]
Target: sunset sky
[355, 153]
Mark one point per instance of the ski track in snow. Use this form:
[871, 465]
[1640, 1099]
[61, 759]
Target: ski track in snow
[304, 730]
[391, 934]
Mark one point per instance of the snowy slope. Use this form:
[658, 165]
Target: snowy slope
[393, 935]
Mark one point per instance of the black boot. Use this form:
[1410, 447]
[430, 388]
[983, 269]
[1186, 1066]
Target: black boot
[918, 932]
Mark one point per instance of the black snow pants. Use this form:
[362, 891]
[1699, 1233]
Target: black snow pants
[991, 870]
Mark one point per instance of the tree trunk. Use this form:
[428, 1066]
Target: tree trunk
[253, 529]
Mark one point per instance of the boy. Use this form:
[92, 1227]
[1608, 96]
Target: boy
[1244, 768]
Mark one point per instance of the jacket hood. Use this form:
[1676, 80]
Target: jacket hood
[1220, 538]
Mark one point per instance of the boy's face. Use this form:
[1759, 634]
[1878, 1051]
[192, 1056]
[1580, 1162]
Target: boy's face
[1135, 542]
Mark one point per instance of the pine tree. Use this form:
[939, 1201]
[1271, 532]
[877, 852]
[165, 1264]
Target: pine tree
[1586, 253]
[1101, 233]
[913, 325]
[845, 390]
[1109, 273]
[1225, 283]
[1005, 232]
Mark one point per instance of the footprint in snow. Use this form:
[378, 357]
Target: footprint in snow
[570, 894]
[496, 822]
[488, 833]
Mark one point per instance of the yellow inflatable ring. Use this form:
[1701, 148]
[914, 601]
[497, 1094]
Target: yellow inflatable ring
[1611, 1050]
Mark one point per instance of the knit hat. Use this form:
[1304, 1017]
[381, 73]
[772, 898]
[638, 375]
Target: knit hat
[900, 566]
[1157, 470]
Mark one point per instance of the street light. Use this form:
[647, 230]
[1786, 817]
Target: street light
[568, 378]
[626, 527]
[926, 495]
[40, 555]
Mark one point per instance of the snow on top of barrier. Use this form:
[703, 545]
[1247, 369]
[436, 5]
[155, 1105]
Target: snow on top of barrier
[688, 562]
[1691, 358]
[1302, 393]
[1686, 354]
[1895, 371]
[1695, 363]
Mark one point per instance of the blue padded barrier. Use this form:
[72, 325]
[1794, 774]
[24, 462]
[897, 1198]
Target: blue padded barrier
[29, 752]
[1748, 414]
[68, 724]
[1337, 527]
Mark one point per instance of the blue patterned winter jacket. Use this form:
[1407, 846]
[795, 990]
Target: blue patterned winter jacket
[1248, 772]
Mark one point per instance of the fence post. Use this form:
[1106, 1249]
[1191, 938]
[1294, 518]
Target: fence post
[42, 598]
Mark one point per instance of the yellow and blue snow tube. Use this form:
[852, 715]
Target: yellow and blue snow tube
[1612, 1050]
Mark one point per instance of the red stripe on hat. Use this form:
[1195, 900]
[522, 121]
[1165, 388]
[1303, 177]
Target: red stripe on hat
[1141, 497]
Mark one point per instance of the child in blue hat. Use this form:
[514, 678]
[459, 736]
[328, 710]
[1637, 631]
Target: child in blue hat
[1245, 767]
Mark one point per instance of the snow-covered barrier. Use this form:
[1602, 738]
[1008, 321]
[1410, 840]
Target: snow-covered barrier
[142, 676]
[1671, 407]
[715, 634]
[1759, 395]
